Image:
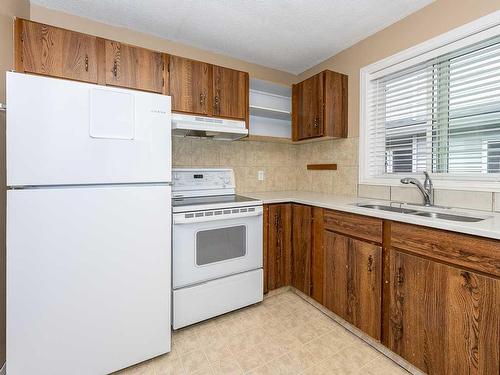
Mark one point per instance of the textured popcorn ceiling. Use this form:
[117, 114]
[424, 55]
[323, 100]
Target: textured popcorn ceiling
[289, 35]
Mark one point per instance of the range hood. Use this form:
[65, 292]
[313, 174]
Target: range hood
[207, 127]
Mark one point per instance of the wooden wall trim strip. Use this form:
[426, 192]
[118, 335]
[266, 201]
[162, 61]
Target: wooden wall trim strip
[322, 167]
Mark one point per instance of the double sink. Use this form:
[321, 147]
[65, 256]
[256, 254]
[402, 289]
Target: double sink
[402, 209]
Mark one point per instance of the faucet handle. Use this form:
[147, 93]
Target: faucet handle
[427, 182]
[400, 204]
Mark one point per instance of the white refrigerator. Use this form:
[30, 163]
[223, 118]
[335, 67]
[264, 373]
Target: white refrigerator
[88, 226]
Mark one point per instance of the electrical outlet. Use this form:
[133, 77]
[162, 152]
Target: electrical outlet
[260, 175]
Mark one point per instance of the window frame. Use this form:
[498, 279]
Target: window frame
[474, 32]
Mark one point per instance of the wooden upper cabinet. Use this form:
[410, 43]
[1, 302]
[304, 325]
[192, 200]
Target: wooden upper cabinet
[230, 93]
[353, 281]
[133, 67]
[52, 51]
[444, 319]
[195, 87]
[190, 85]
[301, 247]
[308, 98]
[319, 107]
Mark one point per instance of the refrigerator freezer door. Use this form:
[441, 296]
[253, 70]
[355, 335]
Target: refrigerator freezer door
[70, 133]
[88, 278]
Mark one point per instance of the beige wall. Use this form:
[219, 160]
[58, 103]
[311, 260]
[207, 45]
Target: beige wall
[8, 9]
[433, 20]
[57, 18]
[284, 164]
[249, 157]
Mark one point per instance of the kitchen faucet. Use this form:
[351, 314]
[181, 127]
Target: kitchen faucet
[425, 189]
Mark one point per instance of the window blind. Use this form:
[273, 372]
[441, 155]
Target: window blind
[441, 116]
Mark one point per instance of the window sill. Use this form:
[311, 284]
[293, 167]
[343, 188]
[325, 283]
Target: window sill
[442, 184]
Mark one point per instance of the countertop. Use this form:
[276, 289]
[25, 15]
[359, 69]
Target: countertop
[490, 227]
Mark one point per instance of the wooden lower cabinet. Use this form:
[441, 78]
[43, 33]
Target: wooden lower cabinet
[279, 246]
[301, 247]
[444, 319]
[353, 281]
[317, 255]
[439, 305]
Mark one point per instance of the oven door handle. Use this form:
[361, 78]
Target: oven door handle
[181, 219]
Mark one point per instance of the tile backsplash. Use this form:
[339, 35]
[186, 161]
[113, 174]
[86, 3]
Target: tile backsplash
[285, 168]
[284, 164]
[247, 158]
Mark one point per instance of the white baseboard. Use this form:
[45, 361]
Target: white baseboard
[363, 336]
[2, 370]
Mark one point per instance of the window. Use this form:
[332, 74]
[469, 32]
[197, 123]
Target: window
[440, 114]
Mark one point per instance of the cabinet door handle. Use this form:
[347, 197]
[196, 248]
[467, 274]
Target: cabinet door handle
[86, 63]
[217, 99]
[316, 122]
[370, 263]
[115, 69]
[400, 276]
[202, 98]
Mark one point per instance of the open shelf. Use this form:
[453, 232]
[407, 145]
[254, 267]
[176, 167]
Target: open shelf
[273, 113]
[270, 109]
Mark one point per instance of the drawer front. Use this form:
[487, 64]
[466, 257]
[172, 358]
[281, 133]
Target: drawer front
[364, 227]
[476, 253]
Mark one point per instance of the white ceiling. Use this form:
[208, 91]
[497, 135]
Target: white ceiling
[289, 35]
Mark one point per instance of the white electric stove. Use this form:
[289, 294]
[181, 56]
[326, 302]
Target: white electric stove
[217, 246]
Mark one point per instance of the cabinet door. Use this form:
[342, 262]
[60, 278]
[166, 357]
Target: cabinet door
[353, 281]
[279, 246]
[230, 91]
[335, 107]
[133, 67]
[265, 245]
[317, 255]
[444, 320]
[308, 108]
[189, 85]
[52, 51]
[301, 247]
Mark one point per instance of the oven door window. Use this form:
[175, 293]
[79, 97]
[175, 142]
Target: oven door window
[220, 244]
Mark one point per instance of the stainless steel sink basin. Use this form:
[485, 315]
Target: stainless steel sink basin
[401, 210]
[429, 214]
[440, 215]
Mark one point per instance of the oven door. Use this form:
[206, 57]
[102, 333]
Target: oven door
[211, 244]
